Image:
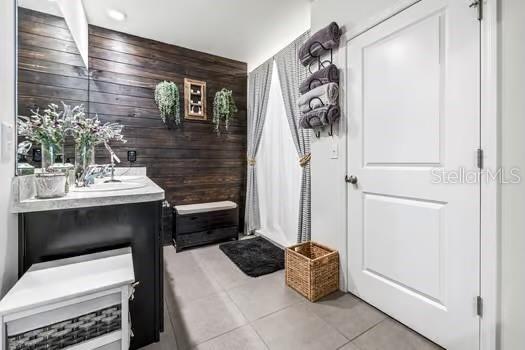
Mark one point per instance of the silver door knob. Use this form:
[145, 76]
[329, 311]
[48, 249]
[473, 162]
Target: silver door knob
[351, 179]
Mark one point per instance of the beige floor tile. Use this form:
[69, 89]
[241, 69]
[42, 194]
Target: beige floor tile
[185, 278]
[349, 346]
[219, 267]
[348, 314]
[392, 335]
[210, 302]
[262, 296]
[202, 319]
[296, 328]
[277, 275]
[244, 338]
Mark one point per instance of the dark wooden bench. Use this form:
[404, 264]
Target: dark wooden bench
[198, 224]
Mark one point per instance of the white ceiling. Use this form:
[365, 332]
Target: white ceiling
[50, 7]
[246, 30]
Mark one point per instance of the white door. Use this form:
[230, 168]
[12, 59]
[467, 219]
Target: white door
[413, 117]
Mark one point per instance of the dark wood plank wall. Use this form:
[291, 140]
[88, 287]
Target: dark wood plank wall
[50, 68]
[193, 164]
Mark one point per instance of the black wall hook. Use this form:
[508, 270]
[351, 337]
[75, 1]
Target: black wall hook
[313, 99]
[331, 132]
[315, 81]
[320, 64]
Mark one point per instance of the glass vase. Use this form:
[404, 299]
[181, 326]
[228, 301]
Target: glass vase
[49, 152]
[84, 157]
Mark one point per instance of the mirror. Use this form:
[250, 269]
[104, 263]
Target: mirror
[52, 68]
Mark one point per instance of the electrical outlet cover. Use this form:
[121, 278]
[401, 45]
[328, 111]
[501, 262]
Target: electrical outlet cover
[7, 141]
[334, 150]
[132, 156]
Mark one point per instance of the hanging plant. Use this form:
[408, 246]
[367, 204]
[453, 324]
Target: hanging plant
[223, 108]
[168, 100]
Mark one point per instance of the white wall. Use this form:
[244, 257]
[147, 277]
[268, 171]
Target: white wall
[329, 190]
[50, 7]
[284, 31]
[512, 335]
[8, 227]
[350, 13]
[328, 185]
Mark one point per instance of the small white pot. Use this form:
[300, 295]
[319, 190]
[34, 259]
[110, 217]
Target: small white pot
[50, 185]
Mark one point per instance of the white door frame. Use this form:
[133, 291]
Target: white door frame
[490, 203]
[490, 131]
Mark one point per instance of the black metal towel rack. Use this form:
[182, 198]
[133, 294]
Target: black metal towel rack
[320, 64]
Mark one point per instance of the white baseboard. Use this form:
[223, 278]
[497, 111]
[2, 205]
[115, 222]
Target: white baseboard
[262, 234]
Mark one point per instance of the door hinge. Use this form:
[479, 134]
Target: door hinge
[480, 158]
[479, 306]
[478, 4]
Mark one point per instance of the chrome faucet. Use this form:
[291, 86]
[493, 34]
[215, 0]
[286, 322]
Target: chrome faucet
[89, 174]
[113, 159]
[96, 171]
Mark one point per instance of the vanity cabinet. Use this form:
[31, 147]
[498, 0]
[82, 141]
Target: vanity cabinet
[57, 234]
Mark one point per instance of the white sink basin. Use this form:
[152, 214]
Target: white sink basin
[126, 178]
[110, 186]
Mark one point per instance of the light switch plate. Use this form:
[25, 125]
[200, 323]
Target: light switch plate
[334, 150]
[6, 141]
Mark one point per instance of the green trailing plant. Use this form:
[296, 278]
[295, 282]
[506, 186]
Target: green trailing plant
[167, 99]
[224, 108]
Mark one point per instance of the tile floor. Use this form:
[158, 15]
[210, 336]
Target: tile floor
[211, 305]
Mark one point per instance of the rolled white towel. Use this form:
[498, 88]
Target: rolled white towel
[323, 95]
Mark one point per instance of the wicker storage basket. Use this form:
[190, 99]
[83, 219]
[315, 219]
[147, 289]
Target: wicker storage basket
[312, 270]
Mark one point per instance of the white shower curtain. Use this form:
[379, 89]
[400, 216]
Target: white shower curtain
[278, 172]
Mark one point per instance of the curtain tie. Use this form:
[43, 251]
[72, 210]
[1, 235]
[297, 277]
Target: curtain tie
[305, 160]
[251, 161]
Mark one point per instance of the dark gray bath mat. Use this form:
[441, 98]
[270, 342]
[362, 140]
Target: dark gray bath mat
[255, 256]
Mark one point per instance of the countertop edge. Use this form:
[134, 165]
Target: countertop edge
[87, 203]
[155, 193]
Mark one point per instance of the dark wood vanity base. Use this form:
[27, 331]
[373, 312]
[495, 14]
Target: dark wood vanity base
[56, 234]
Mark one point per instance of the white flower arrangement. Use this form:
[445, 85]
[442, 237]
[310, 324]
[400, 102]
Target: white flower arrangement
[48, 128]
[52, 126]
[90, 131]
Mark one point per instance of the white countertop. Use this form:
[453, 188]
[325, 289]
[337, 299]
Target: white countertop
[23, 200]
[59, 280]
